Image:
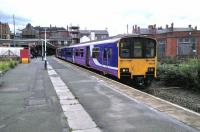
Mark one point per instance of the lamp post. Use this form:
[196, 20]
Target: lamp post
[42, 51]
[45, 51]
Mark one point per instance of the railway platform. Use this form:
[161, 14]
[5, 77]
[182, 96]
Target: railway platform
[69, 98]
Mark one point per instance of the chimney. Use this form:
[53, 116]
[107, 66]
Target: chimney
[167, 26]
[154, 26]
[136, 27]
[50, 25]
[133, 31]
[172, 25]
[190, 26]
[138, 30]
[195, 27]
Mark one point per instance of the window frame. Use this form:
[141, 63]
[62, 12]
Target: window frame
[95, 52]
[132, 41]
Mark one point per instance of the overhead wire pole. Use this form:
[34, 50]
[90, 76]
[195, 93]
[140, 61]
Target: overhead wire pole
[45, 51]
[14, 30]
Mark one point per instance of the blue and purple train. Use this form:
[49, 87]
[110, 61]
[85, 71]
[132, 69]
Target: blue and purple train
[130, 57]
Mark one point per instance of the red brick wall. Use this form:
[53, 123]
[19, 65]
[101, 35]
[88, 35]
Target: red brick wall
[198, 46]
[171, 37]
[170, 49]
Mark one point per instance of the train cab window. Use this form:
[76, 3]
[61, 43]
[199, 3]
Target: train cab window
[150, 49]
[95, 52]
[125, 49]
[137, 48]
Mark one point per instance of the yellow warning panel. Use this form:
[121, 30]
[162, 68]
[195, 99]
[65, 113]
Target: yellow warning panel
[25, 60]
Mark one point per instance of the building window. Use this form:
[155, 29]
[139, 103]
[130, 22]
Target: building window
[186, 46]
[161, 47]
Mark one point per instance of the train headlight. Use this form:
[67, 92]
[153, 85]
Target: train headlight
[124, 70]
[150, 69]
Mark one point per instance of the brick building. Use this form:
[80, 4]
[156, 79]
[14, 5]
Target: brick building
[173, 41]
[99, 34]
[4, 31]
[74, 34]
[29, 32]
[55, 35]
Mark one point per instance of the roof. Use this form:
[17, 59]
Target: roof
[107, 40]
[100, 32]
[49, 29]
[161, 31]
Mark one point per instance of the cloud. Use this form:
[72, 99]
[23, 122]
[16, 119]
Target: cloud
[101, 14]
[8, 18]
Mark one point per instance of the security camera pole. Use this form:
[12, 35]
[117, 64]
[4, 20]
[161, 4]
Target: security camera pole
[45, 52]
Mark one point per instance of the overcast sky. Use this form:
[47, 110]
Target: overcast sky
[101, 14]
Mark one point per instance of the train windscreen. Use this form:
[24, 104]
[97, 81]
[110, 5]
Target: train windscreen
[137, 48]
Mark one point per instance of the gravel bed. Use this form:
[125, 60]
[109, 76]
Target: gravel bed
[180, 96]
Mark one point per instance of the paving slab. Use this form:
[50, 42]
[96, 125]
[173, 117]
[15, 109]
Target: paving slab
[28, 101]
[88, 130]
[69, 102]
[76, 115]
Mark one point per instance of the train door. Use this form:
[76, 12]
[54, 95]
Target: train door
[107, 53]
[87, 55]
[73, 54]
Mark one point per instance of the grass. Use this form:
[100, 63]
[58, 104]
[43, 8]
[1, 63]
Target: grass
[7, 64]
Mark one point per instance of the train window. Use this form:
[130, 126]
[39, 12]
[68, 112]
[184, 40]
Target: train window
[69, 52]
[137, 48]
[81, 52]
[95, 52]
[150, 49]
[105, 53]
[77, 52]
[110, 53]
[125, 49]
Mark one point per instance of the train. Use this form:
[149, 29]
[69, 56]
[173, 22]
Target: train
[126, 57]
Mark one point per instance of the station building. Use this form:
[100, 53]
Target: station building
[173, 41]
[4, 30]
[98, 34]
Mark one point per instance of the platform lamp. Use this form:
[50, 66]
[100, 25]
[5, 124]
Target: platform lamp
[45, 50]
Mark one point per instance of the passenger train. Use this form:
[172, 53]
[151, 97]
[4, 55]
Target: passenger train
[131, 57]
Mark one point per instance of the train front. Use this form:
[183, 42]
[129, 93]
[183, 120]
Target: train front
[137, 59]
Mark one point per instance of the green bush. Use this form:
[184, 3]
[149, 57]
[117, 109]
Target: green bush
[169, 60]
[7, 64]
[186, 74]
